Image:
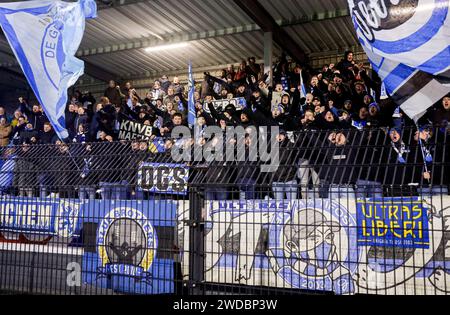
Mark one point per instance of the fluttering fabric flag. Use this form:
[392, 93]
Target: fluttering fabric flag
[302, 86]
[407, 42]
[191, 101]
[45, 36]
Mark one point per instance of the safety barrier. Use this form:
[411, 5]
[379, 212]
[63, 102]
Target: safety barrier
[343, 212]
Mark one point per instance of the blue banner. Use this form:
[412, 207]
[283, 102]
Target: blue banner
[396, 222]
[127, 257]
[191, 101]
[46, 216]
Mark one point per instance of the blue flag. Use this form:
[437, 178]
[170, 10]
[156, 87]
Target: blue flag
[302, 86]
[44, 36]
[191, 101]
[407, 42]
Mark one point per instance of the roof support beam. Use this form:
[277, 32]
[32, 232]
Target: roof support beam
[267, 23]
[140, 43]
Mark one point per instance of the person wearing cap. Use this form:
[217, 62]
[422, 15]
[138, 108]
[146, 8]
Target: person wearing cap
[246, 118]
[345, 119]
[165, 83]
[340, 94]
[337, 78]
[29, 134]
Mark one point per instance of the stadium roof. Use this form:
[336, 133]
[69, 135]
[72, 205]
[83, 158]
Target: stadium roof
[218, 32]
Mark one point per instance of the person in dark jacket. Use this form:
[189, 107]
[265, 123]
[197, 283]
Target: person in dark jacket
[216, 175]
[441, 116]
[15, 134]
[335, 171]
[29, 134]
[434, 149]
[47, 135]
[284, 183]
[25, 179]
[90, 166]
[35, 116]
[247, 169]
[82, 135]
[106, 117]
[111, 183]
[81, 119]
[346, 65]
[371, 150]
[113, 93]
[65, 170]
[71, 114]
[405, 167]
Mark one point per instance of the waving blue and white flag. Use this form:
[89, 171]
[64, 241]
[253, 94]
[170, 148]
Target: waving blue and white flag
[191, 101]
[407, 42]
[302, 86]
[45, 36]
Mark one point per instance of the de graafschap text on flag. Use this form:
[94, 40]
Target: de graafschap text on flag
[44, 36]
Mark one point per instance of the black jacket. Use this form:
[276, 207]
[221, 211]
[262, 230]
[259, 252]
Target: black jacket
[287, 170]
[113, 95]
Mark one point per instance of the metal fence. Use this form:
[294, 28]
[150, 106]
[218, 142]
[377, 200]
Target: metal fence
[344, 212]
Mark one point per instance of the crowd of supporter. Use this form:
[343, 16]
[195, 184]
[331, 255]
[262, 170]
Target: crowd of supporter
[343, 103]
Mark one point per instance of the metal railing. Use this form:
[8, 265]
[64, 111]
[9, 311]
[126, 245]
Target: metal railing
[344, 212]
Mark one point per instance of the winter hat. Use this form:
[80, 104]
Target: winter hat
[399, 130]
[374, 105]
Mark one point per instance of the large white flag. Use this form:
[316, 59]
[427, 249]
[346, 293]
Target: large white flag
[407, 42]
[45, 36]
